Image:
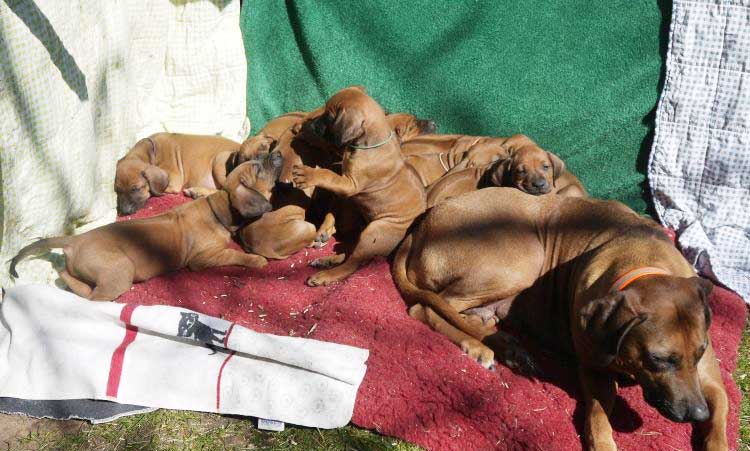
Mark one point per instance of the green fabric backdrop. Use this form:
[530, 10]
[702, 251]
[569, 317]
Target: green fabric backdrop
[580, 77]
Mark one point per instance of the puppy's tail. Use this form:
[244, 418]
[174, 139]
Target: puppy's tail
[37, 248]
[416, 295]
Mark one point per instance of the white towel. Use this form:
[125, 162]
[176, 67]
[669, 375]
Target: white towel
[56, 345]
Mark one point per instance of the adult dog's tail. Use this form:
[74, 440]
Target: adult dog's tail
[37, 248]
[416, 295]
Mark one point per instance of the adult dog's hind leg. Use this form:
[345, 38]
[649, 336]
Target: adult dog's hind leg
[468, 344]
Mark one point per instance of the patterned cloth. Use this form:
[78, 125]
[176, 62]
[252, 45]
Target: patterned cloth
[80, 83]
[699, 168]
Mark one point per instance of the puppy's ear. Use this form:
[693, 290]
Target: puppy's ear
[266, 144]
[499, 172]
[346, 128]
[276, 160]
[558, 166]
[157, 179]
[249, 173]
[248, 202]
[605, 322]
[704, 287]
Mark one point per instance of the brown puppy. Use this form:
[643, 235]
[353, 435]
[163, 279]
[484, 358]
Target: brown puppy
[586, 277]
[168, 163]
[284, 231]
[281, 232]
[374, 175]
[525, 166]
[432, 156]
[103, 263]
[407, 126]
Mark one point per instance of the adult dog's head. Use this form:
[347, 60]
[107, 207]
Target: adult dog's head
[655, 331]
[137, 180]
[528, 167]
[351, 117]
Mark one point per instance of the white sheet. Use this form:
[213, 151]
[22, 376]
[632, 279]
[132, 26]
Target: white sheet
[81, 81]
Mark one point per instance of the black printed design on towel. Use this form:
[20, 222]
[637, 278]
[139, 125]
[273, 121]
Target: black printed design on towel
[191, 327]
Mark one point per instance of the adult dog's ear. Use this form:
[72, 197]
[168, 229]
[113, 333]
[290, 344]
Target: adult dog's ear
[558, 166]
[606, 322]
[704, 287]
[157, 179]
[345, 128]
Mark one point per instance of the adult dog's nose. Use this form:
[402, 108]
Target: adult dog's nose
[697, 413]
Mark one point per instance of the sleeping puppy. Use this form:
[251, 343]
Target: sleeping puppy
[103, 263]
[225, 162]
[281, 232]
[432, 156]
[168, 163]
[373, 175]
[527, 167]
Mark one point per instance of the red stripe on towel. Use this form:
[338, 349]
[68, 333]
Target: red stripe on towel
[226, 337]
[115, 367]
[218, 379]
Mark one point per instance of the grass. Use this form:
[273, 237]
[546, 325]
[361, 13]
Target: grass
[180, 430]
[176, 430]
[742, 377]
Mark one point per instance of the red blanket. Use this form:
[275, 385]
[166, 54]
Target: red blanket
[420, 387]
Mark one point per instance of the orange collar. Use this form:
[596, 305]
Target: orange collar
[635, 274]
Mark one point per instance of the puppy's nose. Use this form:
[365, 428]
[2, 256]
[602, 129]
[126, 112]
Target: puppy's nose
[428, 126]
[698, 412]
[541, 183]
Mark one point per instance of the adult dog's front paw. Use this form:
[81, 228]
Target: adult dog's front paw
[479, 352]
[303, 177]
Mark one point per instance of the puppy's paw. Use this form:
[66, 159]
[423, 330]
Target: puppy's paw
[257, 261]
[197, 192]
[303, 177]
[322, 279]
[479, 352]
[327, 262]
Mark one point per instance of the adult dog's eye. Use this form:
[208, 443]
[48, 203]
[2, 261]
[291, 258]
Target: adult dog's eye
[700, 351]
[546, 167]
[135, 188]
[661, 362]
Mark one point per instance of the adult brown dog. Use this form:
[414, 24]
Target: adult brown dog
[524, 165]
[587, 277]
[169, 163]
[432, 156]
[103, 263]
[374, 175]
